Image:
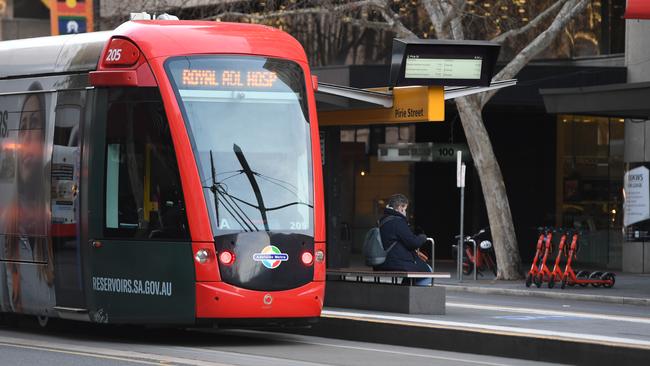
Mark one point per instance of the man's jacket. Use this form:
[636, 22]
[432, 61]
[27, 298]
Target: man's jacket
[402, 257]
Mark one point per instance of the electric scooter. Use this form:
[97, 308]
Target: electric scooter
[556, 274]
[544, 272]
[595, 279]
[532, 273]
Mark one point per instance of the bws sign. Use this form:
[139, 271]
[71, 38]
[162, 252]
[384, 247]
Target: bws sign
[636, 192]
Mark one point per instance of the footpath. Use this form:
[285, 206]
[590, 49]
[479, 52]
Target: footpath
[575, 325]
[630, 289]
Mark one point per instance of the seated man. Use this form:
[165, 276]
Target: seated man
[404, 256]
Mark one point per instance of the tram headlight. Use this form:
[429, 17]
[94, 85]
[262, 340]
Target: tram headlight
[202, 256]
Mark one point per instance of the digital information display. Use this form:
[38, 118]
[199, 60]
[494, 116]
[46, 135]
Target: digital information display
[442, 62]
[206, 78]
[442, 68]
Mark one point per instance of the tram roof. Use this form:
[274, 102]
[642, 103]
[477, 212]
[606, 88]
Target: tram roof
[51, 55]
[162, 38]
[81, 52]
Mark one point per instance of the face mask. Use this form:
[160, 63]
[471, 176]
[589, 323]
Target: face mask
[401, 210]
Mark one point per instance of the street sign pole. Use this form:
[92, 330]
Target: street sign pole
[460, 183]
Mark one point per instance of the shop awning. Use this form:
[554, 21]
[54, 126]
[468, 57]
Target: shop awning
[629, 100]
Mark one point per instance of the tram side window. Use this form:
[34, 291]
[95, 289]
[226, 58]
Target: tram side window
[144, 199]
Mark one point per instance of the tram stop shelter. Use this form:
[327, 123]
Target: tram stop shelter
[423, 75]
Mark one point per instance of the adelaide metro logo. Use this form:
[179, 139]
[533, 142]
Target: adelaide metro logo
[271, 257]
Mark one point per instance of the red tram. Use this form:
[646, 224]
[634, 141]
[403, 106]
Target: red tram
[166, 172]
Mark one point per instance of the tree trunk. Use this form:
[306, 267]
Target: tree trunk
[494, 189]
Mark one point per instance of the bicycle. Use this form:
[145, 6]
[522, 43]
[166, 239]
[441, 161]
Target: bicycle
[484, 259]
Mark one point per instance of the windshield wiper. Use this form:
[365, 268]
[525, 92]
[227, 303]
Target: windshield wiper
[214, 187]
[229, 202]
[289, 204]
[251, 179]
[231, 206]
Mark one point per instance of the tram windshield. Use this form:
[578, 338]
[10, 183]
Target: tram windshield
[248, 121]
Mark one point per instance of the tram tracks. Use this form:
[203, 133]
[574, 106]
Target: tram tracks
[104, 353]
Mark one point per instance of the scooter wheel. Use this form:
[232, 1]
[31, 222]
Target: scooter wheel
[529, 279]
[608, 277]
[596, 276]
[583, 275]
[538, 280]
[565, 279]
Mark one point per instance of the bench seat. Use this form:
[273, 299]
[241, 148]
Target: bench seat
[360, 275]
[377, 290]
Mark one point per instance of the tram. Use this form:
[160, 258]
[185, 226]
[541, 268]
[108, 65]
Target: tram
[167, 172]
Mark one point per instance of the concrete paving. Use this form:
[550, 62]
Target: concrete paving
[632, 289]
[506, 318]
[566, 320]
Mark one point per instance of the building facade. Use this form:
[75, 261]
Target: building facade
[624, 108]
[562, 170]
[23, 19]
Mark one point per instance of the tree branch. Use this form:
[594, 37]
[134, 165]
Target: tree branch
[532, 24]
[541, 42]
[363, 23]
[285, 13]
[457, 30]
[392, 20]
[454, 17]
[437, 18]
[443, 14]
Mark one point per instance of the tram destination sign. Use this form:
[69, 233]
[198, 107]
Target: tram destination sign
[235, 73]
[234, 78]
[447, 63]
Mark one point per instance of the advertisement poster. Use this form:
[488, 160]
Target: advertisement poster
[637, 196]
[26, 271]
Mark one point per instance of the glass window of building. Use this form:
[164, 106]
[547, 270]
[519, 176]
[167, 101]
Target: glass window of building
[589, 184]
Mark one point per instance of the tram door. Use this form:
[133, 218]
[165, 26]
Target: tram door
[140, 266]
[64, 199]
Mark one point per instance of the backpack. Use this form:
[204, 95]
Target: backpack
[373, 248]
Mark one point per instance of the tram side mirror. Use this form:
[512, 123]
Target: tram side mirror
[314, 82]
